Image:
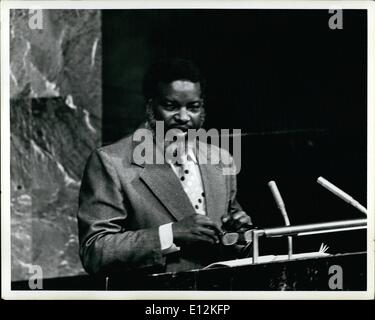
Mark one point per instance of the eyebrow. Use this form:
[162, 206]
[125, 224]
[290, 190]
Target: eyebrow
[175, 101]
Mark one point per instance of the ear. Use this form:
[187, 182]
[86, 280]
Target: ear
[150, 106]
[149, 103]
[150, 115]
[202, 116]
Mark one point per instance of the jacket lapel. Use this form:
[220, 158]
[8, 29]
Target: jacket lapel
[165, 185]
[213, 183]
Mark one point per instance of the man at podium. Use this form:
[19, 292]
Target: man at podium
[160, 216]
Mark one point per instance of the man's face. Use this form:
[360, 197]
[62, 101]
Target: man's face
[179, 105]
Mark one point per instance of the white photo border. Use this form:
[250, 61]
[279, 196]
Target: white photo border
[6, 291]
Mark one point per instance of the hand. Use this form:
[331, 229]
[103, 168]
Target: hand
[196, 228]
[236, 222]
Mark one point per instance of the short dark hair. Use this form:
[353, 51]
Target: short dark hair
[167, 71]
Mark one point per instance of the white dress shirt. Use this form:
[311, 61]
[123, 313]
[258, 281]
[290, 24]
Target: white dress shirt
[187, 171]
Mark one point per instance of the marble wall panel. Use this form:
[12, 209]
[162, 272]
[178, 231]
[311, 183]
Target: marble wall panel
[55, 109]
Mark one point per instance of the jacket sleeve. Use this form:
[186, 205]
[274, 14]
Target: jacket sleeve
[234, 206]
[104, 241]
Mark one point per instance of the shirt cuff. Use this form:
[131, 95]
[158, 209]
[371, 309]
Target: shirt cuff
[166, 239]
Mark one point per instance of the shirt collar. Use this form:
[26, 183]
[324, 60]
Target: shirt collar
[189, 155]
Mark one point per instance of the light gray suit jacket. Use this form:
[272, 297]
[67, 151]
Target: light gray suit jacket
[122, 203]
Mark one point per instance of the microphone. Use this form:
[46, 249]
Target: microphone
[279, 201]
[341, 194]
[281, 206]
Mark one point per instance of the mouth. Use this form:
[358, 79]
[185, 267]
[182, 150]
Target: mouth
[182, 128]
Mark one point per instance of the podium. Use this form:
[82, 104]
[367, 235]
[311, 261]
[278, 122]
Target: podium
[294, 275]
[304, 275]
[301, 274]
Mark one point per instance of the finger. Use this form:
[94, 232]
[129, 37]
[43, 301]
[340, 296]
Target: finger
[207, 239]
[245, 220]
[243, 224]
[200, 236]
[209, 232]
[238, 220]
[225, 218]
[243, 229]
[212, 225]
[239, 215]
[229, 224]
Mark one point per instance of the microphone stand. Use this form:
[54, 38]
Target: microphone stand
[281, 206]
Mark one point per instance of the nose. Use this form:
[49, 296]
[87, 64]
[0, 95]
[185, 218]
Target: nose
[182, 115]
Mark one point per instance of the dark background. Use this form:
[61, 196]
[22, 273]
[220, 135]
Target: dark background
[296, 88]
